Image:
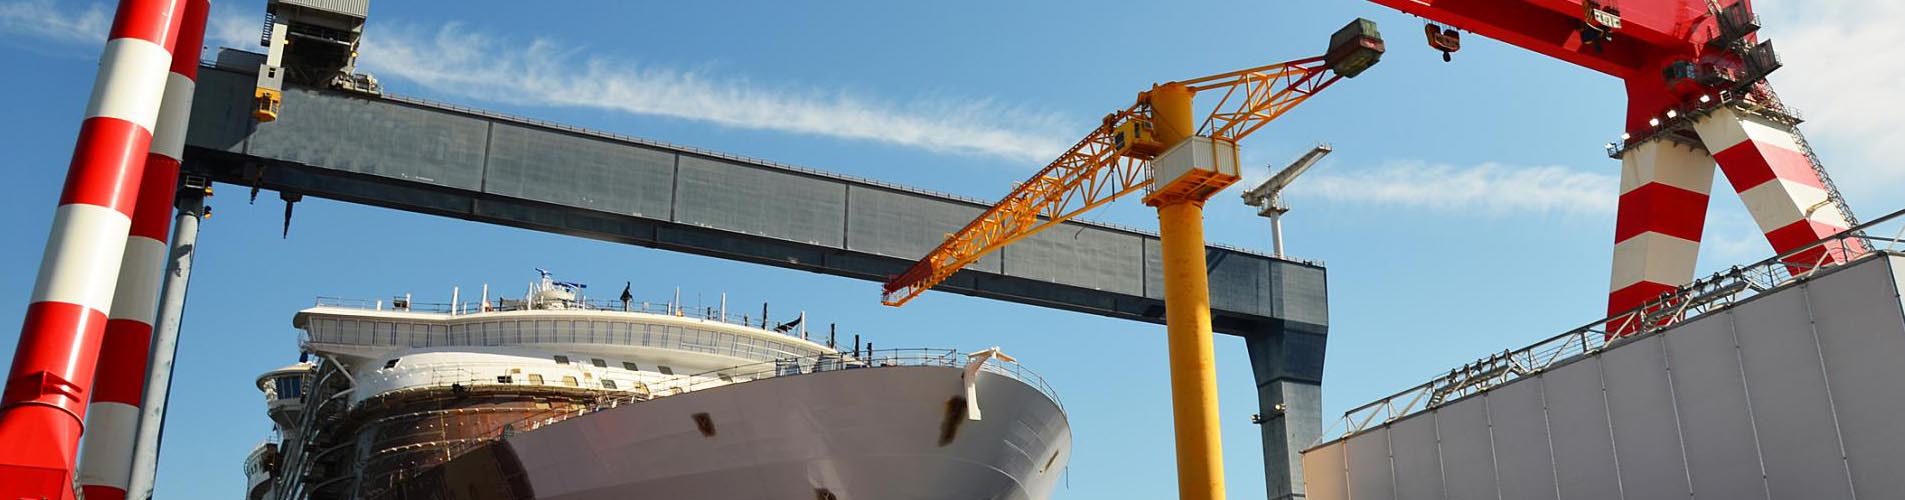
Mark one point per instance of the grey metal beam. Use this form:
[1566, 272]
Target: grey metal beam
[457, 162]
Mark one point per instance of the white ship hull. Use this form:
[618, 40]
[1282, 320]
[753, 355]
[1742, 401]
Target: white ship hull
[888, 433]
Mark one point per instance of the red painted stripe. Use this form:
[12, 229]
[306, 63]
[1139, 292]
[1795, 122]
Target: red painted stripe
[59, 348]
[191, 38]
[107, 164]
[97, 492]
[1752, 163]
[153, 216]
[154, 21]
[1626, 299]
[1661, 208]
[1632, 296]
[122, 362]
[1799, 234]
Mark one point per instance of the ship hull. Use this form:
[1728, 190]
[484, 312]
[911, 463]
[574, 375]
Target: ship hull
[888, 433]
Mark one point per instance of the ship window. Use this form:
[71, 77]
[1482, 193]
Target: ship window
[392, 363]
[562, 360]
[629, 366]
[608, 384]
[666, 370]
[599, 363]
[570, 381]
[505, 379]
[535, 378]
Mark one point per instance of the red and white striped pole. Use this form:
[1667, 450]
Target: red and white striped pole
[112, 420]
[44, 405]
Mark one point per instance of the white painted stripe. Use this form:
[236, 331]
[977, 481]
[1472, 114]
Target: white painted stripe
[1667, 163]
[175, 115]
[1653, 257]
[131, 81]
[1780, 202]
[137, 296]
[81, 262]
[106, 454]
[1726, 128]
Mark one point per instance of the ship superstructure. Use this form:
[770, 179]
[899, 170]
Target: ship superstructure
[495, 398]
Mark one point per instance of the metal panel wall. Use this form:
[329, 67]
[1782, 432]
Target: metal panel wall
[1468, 460]
[1523, 459]
[1418, 462]
[1324, 473]
[1787, 388]
[1715, 421]
[1865, 368]
[1076, 255]
[755, 200]
[1732, 405]
[370, 136]
[1368, 461]
[1583, 442]
[596, 174]
[1646, 434]
[894, 224]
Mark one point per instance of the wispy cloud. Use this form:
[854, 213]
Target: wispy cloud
[452, 60]
[55, 23]
[1492, 189]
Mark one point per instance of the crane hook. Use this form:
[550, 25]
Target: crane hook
[1446, 40]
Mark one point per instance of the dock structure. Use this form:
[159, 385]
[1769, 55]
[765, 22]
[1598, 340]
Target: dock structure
[439, 159]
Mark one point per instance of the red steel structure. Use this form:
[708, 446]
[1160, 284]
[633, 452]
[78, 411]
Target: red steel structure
[44, 404]
[1694, 72]
[112, 419]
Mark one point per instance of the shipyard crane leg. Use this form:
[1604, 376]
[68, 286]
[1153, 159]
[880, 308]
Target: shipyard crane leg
[1663, 211]
[105, 466]
[51, 379]
[1777, 181]
[1200, 461]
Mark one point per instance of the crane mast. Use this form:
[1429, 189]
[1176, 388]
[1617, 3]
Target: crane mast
[1158, 146]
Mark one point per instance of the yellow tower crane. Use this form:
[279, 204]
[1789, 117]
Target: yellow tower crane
[1157, 145]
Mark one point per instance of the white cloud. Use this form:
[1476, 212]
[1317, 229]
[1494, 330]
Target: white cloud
[1490, 188]
[453, 61]
[1844, 62]
[542, 72]
[45, 20]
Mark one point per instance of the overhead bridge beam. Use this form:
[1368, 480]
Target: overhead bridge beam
[444, 160]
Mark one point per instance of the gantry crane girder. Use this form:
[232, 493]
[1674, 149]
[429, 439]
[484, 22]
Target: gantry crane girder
[1114, 159]
[1635, 41]
[1695, 75]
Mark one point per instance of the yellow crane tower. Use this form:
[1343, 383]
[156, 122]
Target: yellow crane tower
[1157, 145]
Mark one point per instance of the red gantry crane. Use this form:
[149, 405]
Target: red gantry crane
[1695, 74]
[1157, 146]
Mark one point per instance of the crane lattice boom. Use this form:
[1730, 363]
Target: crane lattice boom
[1113, 161]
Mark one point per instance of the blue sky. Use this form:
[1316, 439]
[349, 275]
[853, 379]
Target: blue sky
[1468, 207]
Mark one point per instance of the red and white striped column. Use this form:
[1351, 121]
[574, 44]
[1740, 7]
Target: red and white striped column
[1778, 184]
[44, 404]
[1663, 211]
[112, 420]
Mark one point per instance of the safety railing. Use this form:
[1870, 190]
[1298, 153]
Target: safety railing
[1885, 235]
[793, 366]
[663, 308]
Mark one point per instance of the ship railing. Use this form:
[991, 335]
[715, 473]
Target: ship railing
[702, 312]
[1882, 236]
[791, 366]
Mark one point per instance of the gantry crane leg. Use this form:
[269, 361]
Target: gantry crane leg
[1200, 461]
